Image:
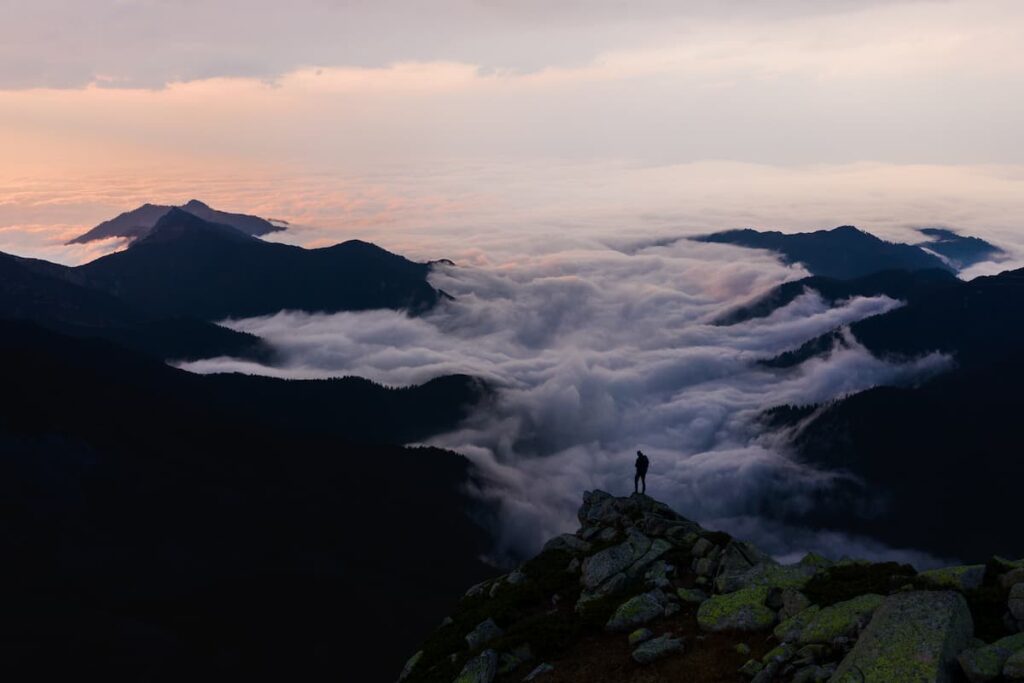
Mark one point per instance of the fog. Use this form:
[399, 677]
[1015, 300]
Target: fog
[596, 351]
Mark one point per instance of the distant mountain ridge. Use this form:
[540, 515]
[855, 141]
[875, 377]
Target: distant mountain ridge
[189, 266]
[847, 252]
[139, 222]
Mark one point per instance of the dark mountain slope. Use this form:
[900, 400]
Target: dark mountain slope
[40, 292]
[188, 266]
[897, 284]
[975, 321]
[158, 524]
[843, 252]
[939, 466]
[139, 222]
[960, 250]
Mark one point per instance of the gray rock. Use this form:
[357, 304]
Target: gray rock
[574, 566]
[481, 669]
[794, 576]
[479, 589]
[657, 648]
[737, 559]
[843, 619]
[767, 674]
[913, 636]
[789, 630]
[985, 663]
[601, 566]
[744, 610]
[598, 509]
[638, 542]
[655, 550]
[705, 566]
[1016, 602]
[793, 603]
[637, 611]
[1012, 577]
[515, 578]
[410, 664]
[1014, 666]
[608, 534]
[742, 649]
[569, 543]
[658, 575]
[701, 547]
[963, 577]
[538, 672]
[485, 632]
[640, 635]
[779, 655]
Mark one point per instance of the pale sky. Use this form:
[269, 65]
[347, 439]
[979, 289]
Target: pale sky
[109, 101]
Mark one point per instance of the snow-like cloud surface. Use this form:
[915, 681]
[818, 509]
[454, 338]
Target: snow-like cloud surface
[596, 352]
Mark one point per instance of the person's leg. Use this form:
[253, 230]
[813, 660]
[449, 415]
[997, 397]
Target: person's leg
[636, 483]
[643, 481]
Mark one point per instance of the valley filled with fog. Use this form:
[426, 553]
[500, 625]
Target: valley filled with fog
[599, 346]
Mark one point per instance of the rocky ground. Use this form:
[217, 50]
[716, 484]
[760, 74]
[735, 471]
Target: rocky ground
[640, 594]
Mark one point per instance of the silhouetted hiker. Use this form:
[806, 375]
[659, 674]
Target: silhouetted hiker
[642, 463]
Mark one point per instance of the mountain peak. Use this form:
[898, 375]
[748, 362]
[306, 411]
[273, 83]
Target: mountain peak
[638, 583]
[178, 223]
[195, 204]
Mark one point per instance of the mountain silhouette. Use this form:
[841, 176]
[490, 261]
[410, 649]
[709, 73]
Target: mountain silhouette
[139, 222]
[188, 266]
[934, 466]
[903, 285]
[961, 251]
[160, 523]
[844, 252]
[42, 293]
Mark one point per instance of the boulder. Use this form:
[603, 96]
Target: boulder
[598, 509]
[913, 636]
[485, 632]
[743, 610]
[1014, 666]
[793, 603]
[736, 561]
[657, 648]
[701, 547]
[982, 664]
[751, 668]
[637, 611]
[841, 619]
[789, 630]
[963, 577]
[570, 543]
[656, 549]
[603, 565]
[480, 669]
[1016, 602]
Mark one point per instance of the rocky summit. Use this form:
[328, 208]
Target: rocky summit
[641, 594]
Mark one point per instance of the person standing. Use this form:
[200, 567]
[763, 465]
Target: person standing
[642, 463]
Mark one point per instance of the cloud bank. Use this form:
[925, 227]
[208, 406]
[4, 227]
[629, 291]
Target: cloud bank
[597, 353]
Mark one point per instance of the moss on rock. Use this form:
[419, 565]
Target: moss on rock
[744, 610]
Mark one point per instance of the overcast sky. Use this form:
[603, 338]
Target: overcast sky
[172, 90]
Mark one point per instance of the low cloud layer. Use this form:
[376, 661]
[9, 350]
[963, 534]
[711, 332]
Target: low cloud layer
[597, 353]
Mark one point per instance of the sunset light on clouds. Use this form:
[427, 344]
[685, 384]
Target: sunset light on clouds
[407, 129]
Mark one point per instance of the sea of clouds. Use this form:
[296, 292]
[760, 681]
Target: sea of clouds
[599, 346]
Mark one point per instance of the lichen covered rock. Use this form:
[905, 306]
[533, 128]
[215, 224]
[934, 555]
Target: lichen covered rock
[985, 663]
[963, 577]
[841, 619]
[744, 610]
[913, 636]
[637, 611]
[480, 669]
